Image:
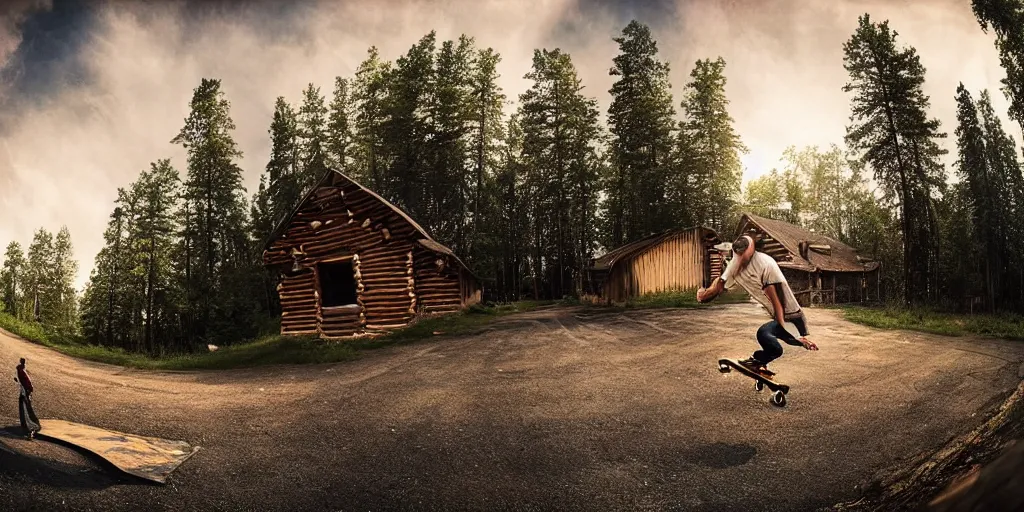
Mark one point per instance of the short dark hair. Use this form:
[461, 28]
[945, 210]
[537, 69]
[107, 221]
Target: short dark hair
[740, 244]
[23, 360]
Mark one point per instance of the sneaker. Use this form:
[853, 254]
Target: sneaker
[757, 366]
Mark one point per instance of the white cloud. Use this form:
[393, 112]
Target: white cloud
[62, 162]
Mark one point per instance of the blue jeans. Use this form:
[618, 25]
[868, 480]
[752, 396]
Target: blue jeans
[769, 334]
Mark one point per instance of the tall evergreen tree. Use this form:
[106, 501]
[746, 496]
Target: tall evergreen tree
[65, 271]
[976, 197]
[1006, 19]
[370, 93]
[283, 181]
[312, 137]
[12, 280]
[443, 162]
[710, 170]
[559, 132]
[641, 119]
[153, 239]
[340, 123]
[39, 291]
[105, 317]
[891, 132]
[405, 129]
[487, 134]
[213, 205]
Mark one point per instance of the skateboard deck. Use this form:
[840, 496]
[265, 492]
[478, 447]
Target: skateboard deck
[779, 390]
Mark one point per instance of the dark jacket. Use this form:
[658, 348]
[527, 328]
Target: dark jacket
[23, 378]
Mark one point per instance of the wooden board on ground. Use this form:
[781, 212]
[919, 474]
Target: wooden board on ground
[150, 458]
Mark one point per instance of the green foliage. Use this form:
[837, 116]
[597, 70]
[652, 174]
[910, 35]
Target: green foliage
[312, 134]
[340, 136]
[560, 154]
[13, 280]
[1006, 19]
[1007, 326]
[891, 133]
[708, 150]
[641, 122]
[682, 299]
[269, 349]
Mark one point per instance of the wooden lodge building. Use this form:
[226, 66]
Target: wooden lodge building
[351, 262]
[675, 260]
[820, 270]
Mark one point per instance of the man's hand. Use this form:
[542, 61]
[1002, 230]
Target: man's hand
[808, 344]
[700, 294]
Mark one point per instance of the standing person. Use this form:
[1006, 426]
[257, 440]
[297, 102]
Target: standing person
[759, 274]
[29, 421]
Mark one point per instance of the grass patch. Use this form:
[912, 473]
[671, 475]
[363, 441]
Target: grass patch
[1008, 326]
[270, 349]
[683, 299]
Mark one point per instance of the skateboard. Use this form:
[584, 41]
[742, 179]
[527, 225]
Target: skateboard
[779, 390]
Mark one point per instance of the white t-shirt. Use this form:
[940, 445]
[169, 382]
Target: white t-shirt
[762, 271]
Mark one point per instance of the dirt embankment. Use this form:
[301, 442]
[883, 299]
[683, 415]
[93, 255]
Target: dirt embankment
[981, 470]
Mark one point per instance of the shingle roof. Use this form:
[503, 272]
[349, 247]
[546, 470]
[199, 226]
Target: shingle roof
[420, 235]
[629, 250]
[842, 257]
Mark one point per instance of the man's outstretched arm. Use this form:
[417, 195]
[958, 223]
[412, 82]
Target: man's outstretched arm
[709, 294]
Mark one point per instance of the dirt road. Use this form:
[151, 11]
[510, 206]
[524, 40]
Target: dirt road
[554, 409]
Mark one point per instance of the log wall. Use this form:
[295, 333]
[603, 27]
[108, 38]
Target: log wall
[395, 276]
[438, 286]
[299, 303]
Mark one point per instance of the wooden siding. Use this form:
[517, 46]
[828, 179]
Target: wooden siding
[299, 303]
[394, 275]
[438, 284]
[677, 263]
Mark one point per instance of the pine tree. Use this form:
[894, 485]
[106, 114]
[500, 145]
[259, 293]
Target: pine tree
[893, 134]
[641, 124]
[12, 280]
[39, 291]
[65, 271]
[976, 197]
[213, 205]
[340, 127]
[370, 92]
[312, 138]
[1006, 19]
[283, 181]
[153, 239]
[443, 161]
[486, 136]
[710, 149]
[1005, 189]
[560, 131]
[404, 131]
[510, 213]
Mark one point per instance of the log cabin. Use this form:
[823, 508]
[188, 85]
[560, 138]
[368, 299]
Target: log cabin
[820, 270]
[674, 260]
[350, 262]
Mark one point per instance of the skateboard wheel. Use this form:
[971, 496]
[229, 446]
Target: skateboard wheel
[758, 385]
[724, 368]
[779, 398]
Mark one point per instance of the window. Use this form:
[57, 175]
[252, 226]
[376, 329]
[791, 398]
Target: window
[337, 284]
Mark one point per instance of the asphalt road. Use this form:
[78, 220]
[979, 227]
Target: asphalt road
[554, 409]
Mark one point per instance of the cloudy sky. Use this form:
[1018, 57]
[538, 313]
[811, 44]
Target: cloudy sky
[92, 92]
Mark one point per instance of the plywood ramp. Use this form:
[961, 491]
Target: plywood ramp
[150, 458]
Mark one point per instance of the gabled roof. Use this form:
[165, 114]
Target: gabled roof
[841, 257]
[609, 259]
[399, 223]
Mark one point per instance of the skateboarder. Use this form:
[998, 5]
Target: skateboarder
[759, 274]
[29, 421]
